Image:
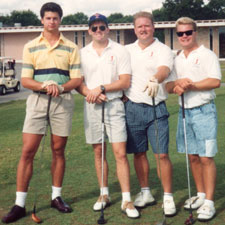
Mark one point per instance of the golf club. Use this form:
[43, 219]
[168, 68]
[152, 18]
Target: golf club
[190, 220]
[101, 219]
[158, 152]
[33, 216]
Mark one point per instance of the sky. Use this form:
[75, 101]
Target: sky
[88, 7]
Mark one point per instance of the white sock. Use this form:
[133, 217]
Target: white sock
[169, 195]
[56, 192]
[201, 195]
[104, 191]
[145, 190]
[126, 197]
[209, 202]
[21, 198]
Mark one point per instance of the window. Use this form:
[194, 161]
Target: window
[211, 39]
[118, 36]
[222, 42]
[171, 38]
[76, 37]
[83, 38]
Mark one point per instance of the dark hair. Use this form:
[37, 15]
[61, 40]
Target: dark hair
[51, 7]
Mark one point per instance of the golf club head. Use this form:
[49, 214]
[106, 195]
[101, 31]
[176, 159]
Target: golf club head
[190, 220]
[101, 220]
[161, 223]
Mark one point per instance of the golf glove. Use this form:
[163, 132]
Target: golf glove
[47, 83]
[152, 86]
[50, 82]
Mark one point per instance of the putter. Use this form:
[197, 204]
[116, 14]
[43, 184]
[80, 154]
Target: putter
[163, 222]
[33, 216]
[101, 219]
[189, 220]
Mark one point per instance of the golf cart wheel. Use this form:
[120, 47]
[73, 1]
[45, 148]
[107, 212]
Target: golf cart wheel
[2, 90]
[17, 88]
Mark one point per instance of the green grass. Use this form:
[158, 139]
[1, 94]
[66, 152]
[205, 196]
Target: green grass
[222, 64]
[80, 187]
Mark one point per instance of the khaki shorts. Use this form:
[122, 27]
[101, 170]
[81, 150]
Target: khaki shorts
[60, 114]
[115, 124]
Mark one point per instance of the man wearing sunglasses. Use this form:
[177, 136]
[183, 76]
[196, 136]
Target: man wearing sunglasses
[106, 73]
[198, 74]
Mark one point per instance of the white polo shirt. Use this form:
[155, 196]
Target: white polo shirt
[144, 64]
[200, 64]
[105, 69]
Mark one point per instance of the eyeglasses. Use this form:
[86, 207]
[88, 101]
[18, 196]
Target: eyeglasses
[101, 28]
[188, 33]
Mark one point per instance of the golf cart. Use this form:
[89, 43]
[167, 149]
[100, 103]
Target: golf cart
[8, 75]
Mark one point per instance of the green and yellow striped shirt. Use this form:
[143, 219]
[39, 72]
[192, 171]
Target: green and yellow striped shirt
[42, 62]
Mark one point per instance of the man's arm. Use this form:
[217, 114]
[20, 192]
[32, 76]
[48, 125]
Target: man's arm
[121, 84]
[204, 85]
[162, 73]
[72, 84]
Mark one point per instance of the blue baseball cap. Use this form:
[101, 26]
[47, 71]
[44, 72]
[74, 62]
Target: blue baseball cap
[97, 17]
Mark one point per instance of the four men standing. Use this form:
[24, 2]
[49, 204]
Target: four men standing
[140, 72]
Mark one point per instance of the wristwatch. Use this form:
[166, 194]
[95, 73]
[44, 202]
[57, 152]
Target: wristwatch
[102, 89]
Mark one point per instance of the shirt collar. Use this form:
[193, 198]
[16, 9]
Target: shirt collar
[153, 43]
[61, 38]
[90, 46]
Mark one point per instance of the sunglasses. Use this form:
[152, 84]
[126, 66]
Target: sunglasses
[188, 33]
[101, 28]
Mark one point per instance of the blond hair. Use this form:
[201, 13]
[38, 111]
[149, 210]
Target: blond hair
[186, 20]
[143, 14]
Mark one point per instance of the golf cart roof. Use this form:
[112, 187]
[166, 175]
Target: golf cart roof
[6, 58]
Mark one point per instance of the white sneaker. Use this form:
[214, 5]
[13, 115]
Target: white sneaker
[129, 209]
[194, 201]
[206, 212]
[169, 206]
[142, 200]
[105, 202]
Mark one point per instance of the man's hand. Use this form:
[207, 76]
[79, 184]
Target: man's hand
[52, 88]
[93, 95]
[178, 90]
[152, 86]
[184, 83]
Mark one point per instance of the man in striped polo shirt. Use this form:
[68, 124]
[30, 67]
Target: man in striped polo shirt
[51, 67]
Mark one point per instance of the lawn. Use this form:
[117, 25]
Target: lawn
[222, 64]
[80, 187]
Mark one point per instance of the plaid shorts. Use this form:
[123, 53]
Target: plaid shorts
[141, 127]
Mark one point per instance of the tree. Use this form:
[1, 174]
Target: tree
[215, 9]
[25, 17]
[159, 14]
[119, 18]
[77, 18]
[178, 8]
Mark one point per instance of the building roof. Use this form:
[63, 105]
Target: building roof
[112, 26]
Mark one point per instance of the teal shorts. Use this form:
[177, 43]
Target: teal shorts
[201, 130]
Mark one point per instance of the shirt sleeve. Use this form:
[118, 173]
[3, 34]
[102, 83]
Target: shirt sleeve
[124, 66]
[27, 66]
[75, 64]
[212, 66]
[165, 57]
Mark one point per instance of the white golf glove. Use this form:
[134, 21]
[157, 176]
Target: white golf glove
[47, 83]
[152, 86]
[50, 82]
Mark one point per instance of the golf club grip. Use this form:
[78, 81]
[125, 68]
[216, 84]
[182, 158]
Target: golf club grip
[182, 103]
[48, 107]
[153, 103]
[103, 112]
